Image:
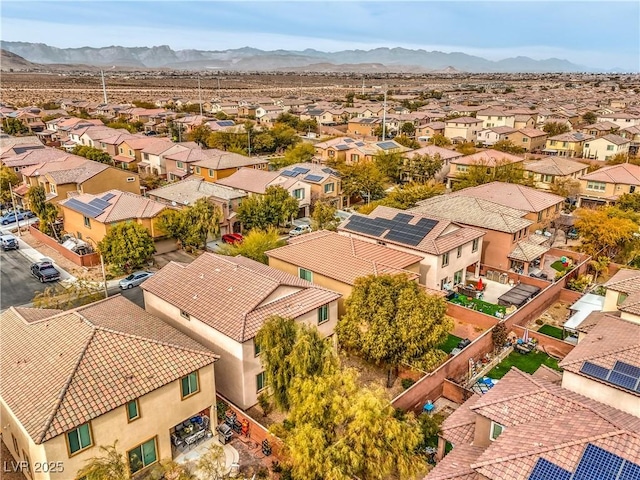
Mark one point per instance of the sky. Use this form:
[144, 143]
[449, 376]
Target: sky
[597, 34]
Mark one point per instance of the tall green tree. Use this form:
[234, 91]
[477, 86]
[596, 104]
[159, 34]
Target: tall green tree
[192, 225]
[607, 231]
[298, 153]
[555, 128]
[408, 129]
[466, 148]
[590, 117]
[200, 135]
[127, 245]
[342, 432]
[629, 201]
[507, 146]
[407, 142]
[255, 244]
[421, 168]
[406, 196]
[481, 173]
[14, 126]
[47, 212]
[389, 164]
[92, 153]
[439, 140]
[37, 198]
[289, 351]
[324, 216]
[389, 320]
[274, 208]
[8, 180]
[363, 179]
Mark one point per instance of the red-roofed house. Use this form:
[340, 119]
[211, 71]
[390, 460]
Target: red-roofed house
[223, 301]
[606, 184]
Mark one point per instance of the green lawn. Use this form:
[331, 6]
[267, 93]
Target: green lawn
[450, 343]
[527, 363]
[552, 331]
[557, 265]
[478, 305]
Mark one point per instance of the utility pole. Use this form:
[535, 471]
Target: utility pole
[363, 86]
[104, 87]
[384, 115]
[15, 212]
[199, 95]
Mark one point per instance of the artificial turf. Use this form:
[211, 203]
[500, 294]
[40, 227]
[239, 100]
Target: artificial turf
[527, 363]
[552, 331]
[557, 265]
[450, 343]
[478, 305]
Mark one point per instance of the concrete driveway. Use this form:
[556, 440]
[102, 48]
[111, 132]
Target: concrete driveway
[17, 286]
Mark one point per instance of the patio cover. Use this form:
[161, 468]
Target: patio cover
[526, 251]
[582, 308]
[518, 295]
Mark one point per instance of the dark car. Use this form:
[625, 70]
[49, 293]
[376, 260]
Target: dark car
[45, 272]
[232, 238]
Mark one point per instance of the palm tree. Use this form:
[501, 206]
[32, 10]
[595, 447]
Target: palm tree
[110, 466]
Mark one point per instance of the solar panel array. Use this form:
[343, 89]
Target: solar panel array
[226, 123]
[301, 169]
[545, 470]
[108, 196]
[342, 147]
[387, 145]
[86, 209]
[595, 464]
[622, 374]
[290, 173]
[398, 229]
[313, 178]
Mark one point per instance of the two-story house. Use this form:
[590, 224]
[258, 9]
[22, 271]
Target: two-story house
[606, 184]
[336, 261]
[186, 192]
[568, 144]
[324, 181]
[530, 139]
[74, 381]
[222, 302]
[622, 119]
[462, 129]
[73, 175]
[548, 171]
[364, 126]
[486, 159]
[606, 147]
[491, 135]
[218, 164]
[89, 216]
[518, 430]
[256, 182]
[447, 249]
[495, 117]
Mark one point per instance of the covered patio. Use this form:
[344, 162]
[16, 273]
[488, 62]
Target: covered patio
[527, 255]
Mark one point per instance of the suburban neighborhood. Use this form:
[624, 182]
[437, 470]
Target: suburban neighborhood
[388, 276]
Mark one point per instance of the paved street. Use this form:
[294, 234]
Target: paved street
[134, 294]
[18, 286]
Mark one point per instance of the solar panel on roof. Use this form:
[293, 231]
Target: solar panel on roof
[545, 470]
[622, 380]
[348, 140]
[627, 369]
[341, 147]
[85, 209]
[301, 169]
[595, 371]
[597, 464]
[108, 196]
[313, 178]
[98, 203]
[226, 123]
[630, 471]
[403, 216]
[289, 173]
[359, 144]
[387, 145]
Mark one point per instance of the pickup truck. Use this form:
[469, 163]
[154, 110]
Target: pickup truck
[45, 272]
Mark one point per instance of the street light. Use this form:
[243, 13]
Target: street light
[104, 275]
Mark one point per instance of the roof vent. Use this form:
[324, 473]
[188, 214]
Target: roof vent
[202, 276]
[230, 289]
[195, 297]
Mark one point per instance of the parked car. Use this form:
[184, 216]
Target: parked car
[16, 216]
[45, 272]
[232, 238]
[9, 242]
[133, 280]
[299, 230]
[463, 343]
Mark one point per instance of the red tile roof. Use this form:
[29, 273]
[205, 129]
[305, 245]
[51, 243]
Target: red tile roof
[234, 294]
[63, 370]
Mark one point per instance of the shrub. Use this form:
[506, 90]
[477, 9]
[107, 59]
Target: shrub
[539, 322]
[407, 382]
[265, 404]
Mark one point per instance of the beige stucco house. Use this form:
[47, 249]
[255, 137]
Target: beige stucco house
[222, 302]
[75, 380]
[606, 184]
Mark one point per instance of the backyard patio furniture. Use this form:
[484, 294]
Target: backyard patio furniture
[191, 431]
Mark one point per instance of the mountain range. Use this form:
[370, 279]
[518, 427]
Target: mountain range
[380, 60]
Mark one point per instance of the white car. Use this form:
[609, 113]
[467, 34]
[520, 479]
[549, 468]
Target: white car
[299, 230]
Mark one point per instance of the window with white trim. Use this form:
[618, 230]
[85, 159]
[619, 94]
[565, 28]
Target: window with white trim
[596, 186]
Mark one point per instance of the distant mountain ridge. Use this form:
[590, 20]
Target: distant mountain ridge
[253, 59]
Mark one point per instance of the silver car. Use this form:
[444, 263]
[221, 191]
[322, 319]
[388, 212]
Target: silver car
[135, 279]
